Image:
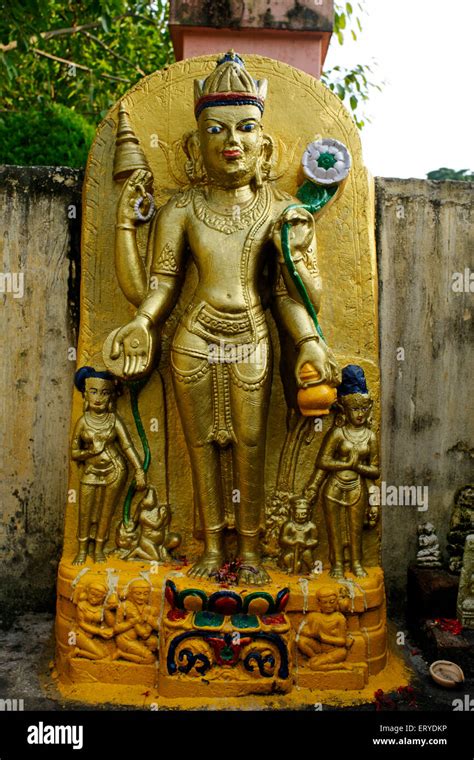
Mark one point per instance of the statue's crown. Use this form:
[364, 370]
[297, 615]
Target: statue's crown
[229, 84]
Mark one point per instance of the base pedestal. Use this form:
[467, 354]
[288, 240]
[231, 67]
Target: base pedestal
[204, 640]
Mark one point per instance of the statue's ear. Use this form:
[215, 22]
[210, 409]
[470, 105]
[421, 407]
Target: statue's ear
[194, 166]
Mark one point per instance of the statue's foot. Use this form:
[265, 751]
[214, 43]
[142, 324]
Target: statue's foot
[99, 555]
[207, 565]
[337, 570]
[251, 573]
[358, 570]
[80, 557]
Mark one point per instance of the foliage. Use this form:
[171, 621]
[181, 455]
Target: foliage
[81, 53]
[52, 136]
[461, 175]
[354, 85]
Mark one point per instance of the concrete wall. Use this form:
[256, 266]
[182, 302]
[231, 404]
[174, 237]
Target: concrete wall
[424, 244]
[423, 237]
[40, 207]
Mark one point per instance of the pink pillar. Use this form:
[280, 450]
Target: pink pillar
[297, 33]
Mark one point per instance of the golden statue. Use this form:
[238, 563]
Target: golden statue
[221, 386]
[230, 224]
[101, 442]
[323, 636]
[136, 624]
[347, 458]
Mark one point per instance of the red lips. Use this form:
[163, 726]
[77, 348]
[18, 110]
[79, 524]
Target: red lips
[232, 153]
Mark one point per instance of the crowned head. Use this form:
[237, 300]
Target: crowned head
[228, 106]
[353, 396]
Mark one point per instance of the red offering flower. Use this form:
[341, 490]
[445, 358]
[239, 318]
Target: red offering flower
[451, 625]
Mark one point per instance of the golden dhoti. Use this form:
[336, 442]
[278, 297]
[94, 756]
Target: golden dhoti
[221, 364]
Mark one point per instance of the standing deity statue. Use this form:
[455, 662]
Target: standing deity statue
[229, 222]
[102, 444]
[347, 459]
[206, 242]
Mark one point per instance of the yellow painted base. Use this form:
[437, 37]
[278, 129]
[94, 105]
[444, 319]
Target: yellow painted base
[394, 674]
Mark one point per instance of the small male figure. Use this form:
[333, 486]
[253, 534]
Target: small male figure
[323, 636]
[298, 538]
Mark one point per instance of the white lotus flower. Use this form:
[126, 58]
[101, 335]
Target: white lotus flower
[326, 161]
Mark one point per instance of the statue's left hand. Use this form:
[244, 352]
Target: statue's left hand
[317, 354]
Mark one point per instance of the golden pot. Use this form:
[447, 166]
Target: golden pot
[315, 400]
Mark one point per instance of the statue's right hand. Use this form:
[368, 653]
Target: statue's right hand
[311, 494]
[136, 341]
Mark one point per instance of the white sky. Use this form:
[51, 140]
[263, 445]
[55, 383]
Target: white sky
[423, 119]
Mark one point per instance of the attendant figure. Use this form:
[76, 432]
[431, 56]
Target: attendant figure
[347, 459]
[101, 442]
[298, 538]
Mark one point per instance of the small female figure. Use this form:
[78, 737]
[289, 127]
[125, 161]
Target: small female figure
[137, 624]
[101, 441]
[95, 620]
[347, 458]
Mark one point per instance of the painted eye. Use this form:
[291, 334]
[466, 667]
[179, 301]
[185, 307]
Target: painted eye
[247, 127]
[214, 130]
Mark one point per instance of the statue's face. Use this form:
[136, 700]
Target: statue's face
[230, 138]
[358, 413]
[98, 393]
[95, 595]
[301, 511]
[140, 594]
[328, 603]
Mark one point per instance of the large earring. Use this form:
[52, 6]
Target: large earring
[266, 163]
[340, 418]
[370, 418]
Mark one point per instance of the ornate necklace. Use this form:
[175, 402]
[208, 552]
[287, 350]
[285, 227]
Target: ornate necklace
[98, 424]
[361, 438]
[230, 221]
